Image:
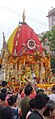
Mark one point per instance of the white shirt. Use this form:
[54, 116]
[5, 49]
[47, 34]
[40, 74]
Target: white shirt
[29, 112]
[52, 97]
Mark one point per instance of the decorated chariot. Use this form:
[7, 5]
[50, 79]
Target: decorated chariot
[23, 59]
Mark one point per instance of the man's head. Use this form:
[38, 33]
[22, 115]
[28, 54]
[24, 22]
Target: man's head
[11, 100]
[41, 100]
[40, 91]
[28, 90]
[4, 83]
[50, 109]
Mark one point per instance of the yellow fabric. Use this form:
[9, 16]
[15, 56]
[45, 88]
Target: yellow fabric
[11, 40]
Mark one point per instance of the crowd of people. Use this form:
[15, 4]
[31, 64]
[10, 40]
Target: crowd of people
[27, 103]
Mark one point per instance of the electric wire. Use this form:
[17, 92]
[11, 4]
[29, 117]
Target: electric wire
[16, 13]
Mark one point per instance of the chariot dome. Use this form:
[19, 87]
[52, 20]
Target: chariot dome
[24, 40]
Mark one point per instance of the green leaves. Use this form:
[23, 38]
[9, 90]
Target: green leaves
[50, 36]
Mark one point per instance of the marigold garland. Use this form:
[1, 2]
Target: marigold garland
[30, 58]
[14, 61]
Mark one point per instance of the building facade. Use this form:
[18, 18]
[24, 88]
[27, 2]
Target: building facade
[51, 18]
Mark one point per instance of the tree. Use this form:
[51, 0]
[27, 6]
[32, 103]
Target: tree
[50, 36]
[53, 64]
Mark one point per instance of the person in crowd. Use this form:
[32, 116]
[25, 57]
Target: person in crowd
[8, 94]
[40, 91]
[25, 101]
[4, 90]
[2, 98]
[50, 110]
[12, 103]
[4, 84]
[40, 106]
[32, 107]
[4, 87]
[19, 95]
[52, 95]
[33, 93]
[6, 113]
[1, 106]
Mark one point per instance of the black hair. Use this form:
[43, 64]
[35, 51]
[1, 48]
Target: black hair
[6, 113]
[28, 89]
[50, 107]
[4, 83]
[32, 103]
[41, 100]
[39, 91]
[11, 100]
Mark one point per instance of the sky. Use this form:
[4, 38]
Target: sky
[36, 12]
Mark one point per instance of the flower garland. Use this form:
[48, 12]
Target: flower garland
[14, 61]
[30, 58]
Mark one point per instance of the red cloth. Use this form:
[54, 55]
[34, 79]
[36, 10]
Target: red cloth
[32, 95]
[22, 95]
[23, 34]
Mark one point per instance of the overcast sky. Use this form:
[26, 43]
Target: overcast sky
[35, 10]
